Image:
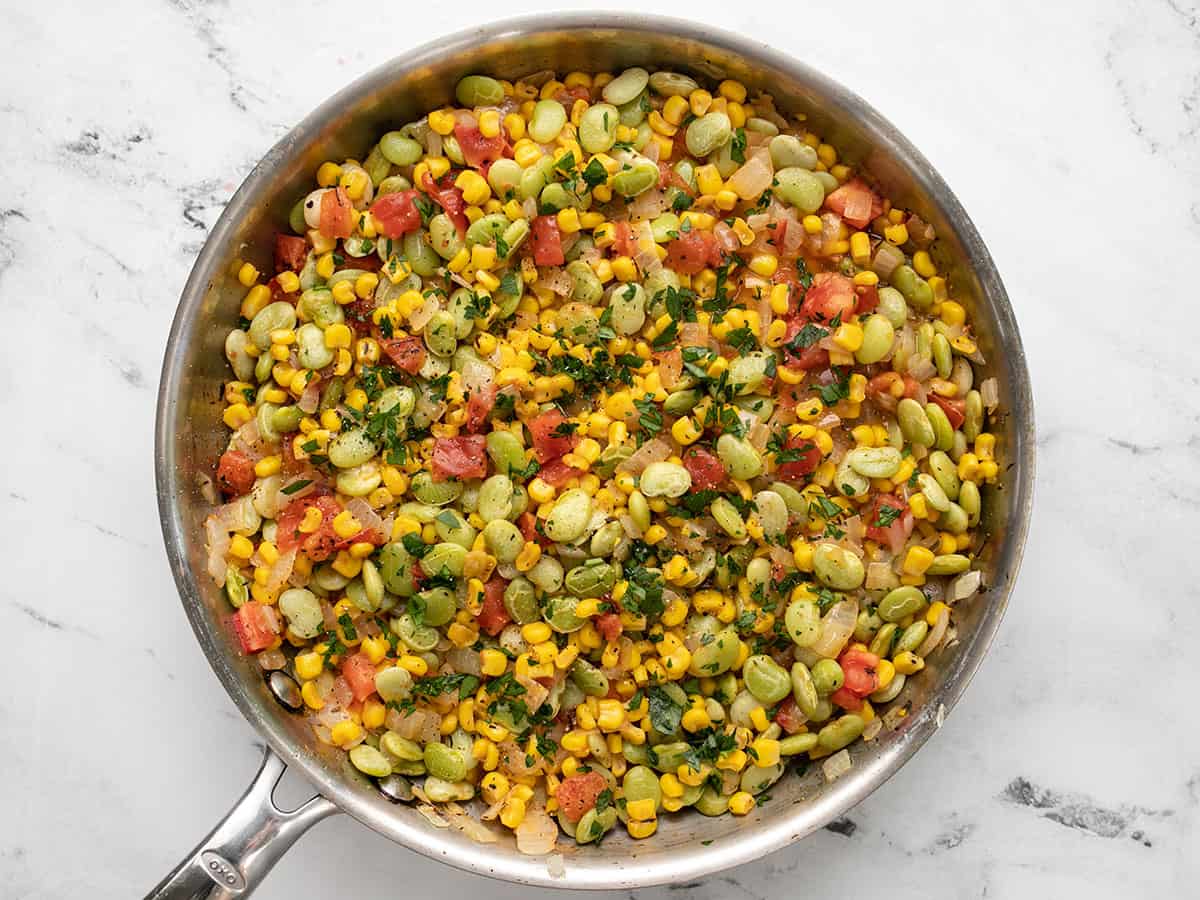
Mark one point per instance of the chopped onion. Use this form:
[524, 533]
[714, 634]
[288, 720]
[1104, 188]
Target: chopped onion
[558, 281]
[872, 730]
[730, 242]
[880, 576]
[754, 177]
[964, 586]
[529, 207]
[693, 334]
[421, 316]
[836, 627]
[217, 541]
[535, 692]
[311, 397]
[989, 392]
[431, 814]
[538, 833]
[887, 259]
[934, 638]
[649, 205]
[837, 765]
[655, 450]
[670, 368]
[464, 660]
[208, 490]
[281, 570]
[921, 368]
[556, 867]
[367, 517]
[647, 248]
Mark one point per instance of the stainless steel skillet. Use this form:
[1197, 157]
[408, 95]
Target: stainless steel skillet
[189, 436]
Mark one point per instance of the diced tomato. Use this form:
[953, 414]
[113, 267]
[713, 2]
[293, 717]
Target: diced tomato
[337, 216]
[855, 202]
[809, 459]
[609, 625]
[479, 407]
[290, 253]
[477, 149]
[557, 473]
[278, 293]
[830, 296]
[808, 358]
[860, 667]
[547, 242]
[449, 198]
[880, 503]
[320, 544]
[360, 675]
[668, 177]
[407, 353]
[255, 626]
[568, 95]
[235, 473]
[577, 794]
[788, 716]
[868, 298]
[881, 387]
[528, 525]
[397, 213]
[694, 251]
[704, 467]
[787, 273]
[493, 617]
[846, 699]
[623, 241]
[552, 436]
[955, 410]
[459, 457]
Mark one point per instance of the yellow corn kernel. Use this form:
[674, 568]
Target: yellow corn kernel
[328, 174]
[494, 786]
[695, 719]
[766, 751]
[849, 336]
[345, 732]
[641, 810]
[699, 100]
[686, 430]
[764, 264]
[512, 814]
[624, 269]
[907, 662]
[311, 521]
[640, 830]
[741, 803]
[923, 263]
[935, 611]
[536, 632]
[952, 313]
[311, 695]
[442, 121]
[655, 534]
[885, 671]
[344, 524]
[758, 718]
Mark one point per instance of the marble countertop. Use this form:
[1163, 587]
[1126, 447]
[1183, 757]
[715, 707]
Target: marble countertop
[1070, 769]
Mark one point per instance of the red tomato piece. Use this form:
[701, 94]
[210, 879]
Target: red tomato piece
[846, 699]
[609, 625]
[807, 462]
[788, 715]
[808, 358]
[528, 525]
[557, 473]
[337, 217]
[479, 407]
[830, 296]
[449, 198]
[868, 298]
[704, 467]
[255, 626]
[955, 410]
[547, 242]
[397, 213]
[477, 149]
[552, 437]
[278, 293]
[623, 241]
[290, 253]
[577, 794]
[459, 457]
[235, 473]
[694, 251]
[859, 667]
[493, 617]
[668, 177]
[855, 202]
[877, 530]
[407, 353]
[360, 675]
[320, 544]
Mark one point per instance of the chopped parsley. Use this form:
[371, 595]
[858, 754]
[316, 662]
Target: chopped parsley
[665, 712]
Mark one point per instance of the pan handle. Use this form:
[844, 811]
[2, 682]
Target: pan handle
[233, 860]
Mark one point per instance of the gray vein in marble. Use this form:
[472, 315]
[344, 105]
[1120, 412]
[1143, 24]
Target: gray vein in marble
[108, 532]
[130, 371]
[1075, 811]
[204, 24]
[8, 251]
[950, 839]
[53, 624]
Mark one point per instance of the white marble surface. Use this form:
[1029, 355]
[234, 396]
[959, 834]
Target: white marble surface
[1070, 132]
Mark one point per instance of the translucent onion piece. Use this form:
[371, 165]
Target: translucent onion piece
[837, 765]
[964, 586]
[537, 834]
[836, 627]
[217, 541]
[934, 638]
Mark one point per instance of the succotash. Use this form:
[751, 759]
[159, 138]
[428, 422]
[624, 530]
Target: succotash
[600, 447]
